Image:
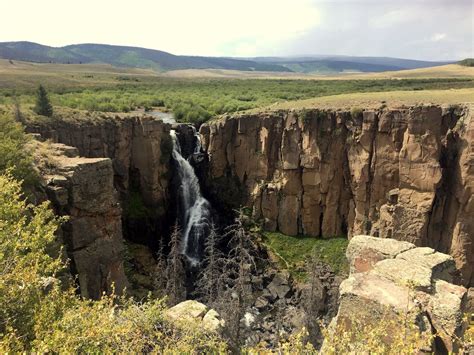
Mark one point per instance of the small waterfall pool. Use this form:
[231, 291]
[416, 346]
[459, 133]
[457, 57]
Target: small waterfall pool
[195, 209]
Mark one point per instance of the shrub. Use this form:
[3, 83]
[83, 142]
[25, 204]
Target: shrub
[26, 234]
[356, 112]
[15, 154]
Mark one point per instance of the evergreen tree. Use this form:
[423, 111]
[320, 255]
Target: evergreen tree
[240, 264]
[175, 271]
[211, 283]
[43, 105]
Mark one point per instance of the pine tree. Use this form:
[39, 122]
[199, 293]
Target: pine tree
[43, 105]
[175, 271]
[211, 284]
[160, 273]
[240, 264]
[313, 298]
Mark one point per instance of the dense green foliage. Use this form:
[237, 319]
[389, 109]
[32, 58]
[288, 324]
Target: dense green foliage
[14, 154]
[43, 105]
[197, 100]
[294, 252]
[26, 233]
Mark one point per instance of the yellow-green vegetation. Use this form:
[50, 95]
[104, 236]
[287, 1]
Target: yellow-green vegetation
[376, 100]
[293, 253]
[41, 312]
[14, 155]
[391, 334]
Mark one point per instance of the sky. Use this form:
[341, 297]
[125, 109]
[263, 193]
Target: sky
[417, 29]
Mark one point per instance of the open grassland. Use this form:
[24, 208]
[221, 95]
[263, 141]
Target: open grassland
[376, 100]
[106, 88]
[443, 71]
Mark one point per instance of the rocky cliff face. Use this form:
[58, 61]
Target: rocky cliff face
[406, 173]
[140, 150]
[82, 189]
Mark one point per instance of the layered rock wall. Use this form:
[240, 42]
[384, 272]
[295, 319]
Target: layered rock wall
[406, 173]
[139, 147]
[83, 190]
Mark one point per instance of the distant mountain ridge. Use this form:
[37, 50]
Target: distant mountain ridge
[137, 57]
[134, 57]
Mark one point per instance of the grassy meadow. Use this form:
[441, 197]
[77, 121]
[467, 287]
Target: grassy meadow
[103, 88]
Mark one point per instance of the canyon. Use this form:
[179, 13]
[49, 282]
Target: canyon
[404, 173]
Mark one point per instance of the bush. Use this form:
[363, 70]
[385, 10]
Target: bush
[26, 234]
[15, 155]
[356, 112]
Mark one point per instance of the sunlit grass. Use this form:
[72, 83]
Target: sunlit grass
[293, 252]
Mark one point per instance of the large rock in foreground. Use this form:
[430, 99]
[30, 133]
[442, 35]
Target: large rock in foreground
[393, 282]
[195, 311]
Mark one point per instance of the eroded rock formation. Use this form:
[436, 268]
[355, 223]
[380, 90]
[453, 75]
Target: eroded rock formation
[396, 281]
[83, 190]
[402, 173]
[139, 147]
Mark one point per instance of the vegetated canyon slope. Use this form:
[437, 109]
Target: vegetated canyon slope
[402, 173]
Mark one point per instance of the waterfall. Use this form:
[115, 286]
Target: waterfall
[195, 208]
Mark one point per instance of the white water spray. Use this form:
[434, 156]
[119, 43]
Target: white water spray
[195, 208]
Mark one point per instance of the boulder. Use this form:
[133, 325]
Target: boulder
[406, 283]
[279, 287]
[363, 252]
[195, 311]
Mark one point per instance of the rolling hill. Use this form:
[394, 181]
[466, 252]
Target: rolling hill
[121, 56]
[160, 61]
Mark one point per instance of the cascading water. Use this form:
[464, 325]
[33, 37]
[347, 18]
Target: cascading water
[195, 208]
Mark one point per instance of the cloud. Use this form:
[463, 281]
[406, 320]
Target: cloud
[402, 28]
[438, 37]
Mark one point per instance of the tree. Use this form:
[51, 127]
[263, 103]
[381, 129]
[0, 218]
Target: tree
[211, 283]
[240, 264]
[314, 297]
[175, 271]
[43, 105]
[160, 273]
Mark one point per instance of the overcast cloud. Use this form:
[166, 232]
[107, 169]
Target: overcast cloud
[420, 29]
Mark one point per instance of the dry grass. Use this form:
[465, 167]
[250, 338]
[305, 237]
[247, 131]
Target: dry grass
[378, 99]
[17, 74]
[444, 71]
[26, 74]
